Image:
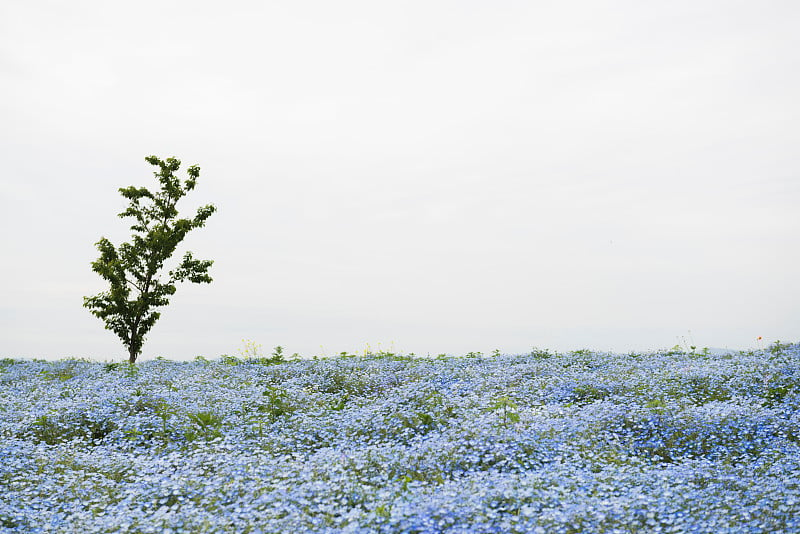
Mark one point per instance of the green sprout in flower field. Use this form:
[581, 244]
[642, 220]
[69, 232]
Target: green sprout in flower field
[205, 425]
[507, 408]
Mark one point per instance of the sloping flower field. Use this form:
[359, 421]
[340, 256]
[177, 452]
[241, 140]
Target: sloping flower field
[542, 443]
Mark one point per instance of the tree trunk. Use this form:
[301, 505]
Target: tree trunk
[134, 348]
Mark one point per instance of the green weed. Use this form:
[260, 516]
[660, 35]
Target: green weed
[506, 408]
[205, 425]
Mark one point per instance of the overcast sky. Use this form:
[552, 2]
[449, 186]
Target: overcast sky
[420, 176]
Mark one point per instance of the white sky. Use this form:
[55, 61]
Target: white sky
[428, 176]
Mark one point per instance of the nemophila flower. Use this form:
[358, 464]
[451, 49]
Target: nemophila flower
[603, 443]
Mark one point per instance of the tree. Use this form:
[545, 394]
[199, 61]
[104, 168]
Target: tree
[134, 270]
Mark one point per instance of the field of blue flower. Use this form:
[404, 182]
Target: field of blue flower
[545, 443]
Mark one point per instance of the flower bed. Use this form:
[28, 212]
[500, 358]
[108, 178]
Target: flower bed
[577, 442]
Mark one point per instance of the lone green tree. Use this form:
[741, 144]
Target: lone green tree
[135, 269]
